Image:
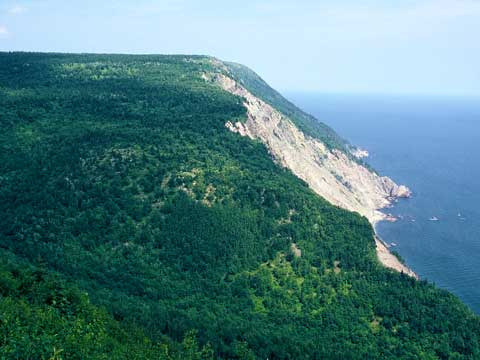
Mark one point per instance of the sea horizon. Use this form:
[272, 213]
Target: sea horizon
[290, 94]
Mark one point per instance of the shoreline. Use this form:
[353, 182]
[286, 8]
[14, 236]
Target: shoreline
[384, 255]
[331, 174]
[388, 259]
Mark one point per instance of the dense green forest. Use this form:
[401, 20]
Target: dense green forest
[134, 225]
[43, 317]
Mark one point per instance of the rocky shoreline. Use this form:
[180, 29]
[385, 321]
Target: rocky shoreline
[329, 172]
[389, 260]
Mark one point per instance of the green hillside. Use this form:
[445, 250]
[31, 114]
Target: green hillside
[43, 317]
[118, 178]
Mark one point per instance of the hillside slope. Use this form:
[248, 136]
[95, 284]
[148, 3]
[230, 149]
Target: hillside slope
[119, 178]
[330, 170]
[43, 317]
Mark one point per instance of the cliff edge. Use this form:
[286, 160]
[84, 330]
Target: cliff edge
[330, 172]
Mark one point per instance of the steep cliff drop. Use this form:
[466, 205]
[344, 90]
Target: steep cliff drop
[330, 173]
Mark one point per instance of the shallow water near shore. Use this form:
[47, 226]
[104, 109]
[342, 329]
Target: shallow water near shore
[432, 145]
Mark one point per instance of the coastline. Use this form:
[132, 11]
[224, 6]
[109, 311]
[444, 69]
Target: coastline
[329, 173]
[388, 259]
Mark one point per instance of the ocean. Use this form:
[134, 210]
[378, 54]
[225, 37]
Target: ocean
[432, 145]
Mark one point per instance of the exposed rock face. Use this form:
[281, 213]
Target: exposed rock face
[295, 250]
[330, 173]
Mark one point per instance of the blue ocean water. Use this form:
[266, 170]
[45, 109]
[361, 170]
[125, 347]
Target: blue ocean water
[432, 145]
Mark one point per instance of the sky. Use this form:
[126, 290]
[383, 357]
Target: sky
[354, 46]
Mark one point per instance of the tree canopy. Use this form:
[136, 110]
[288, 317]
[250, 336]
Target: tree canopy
[119, 179]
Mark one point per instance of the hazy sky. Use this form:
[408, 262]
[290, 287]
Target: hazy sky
[399, 46]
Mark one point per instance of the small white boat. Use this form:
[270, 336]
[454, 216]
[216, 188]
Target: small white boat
[433, 218]
[393, 244]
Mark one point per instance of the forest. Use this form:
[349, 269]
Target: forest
[135, 225]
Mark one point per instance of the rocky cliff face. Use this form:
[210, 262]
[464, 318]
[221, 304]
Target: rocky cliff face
[330, 173]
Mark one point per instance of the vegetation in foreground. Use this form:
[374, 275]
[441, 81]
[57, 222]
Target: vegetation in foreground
[119, 179]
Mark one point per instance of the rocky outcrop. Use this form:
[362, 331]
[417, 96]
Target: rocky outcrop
[295, 250]
[330, 173]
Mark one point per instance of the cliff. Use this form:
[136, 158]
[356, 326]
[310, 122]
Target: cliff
[330, 172]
